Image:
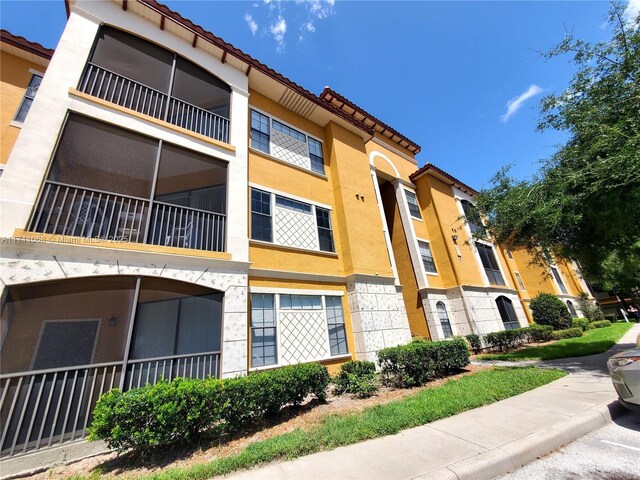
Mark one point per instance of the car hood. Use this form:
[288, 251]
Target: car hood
[634, 352]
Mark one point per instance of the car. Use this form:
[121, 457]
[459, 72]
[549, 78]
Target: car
[624, 369]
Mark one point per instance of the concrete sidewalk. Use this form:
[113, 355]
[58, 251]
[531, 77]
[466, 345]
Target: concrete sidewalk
[478, 444]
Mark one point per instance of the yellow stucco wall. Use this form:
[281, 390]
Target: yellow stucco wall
[14, 80]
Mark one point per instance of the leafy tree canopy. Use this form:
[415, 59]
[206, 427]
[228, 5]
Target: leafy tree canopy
[584, 203]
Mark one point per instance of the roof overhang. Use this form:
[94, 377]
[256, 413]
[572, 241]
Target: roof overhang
[440, 174]
[25, 49]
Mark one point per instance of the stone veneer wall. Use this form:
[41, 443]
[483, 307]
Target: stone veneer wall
[20, 264]
[378, 316]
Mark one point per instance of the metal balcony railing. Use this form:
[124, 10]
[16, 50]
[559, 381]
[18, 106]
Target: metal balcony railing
[81, 212]
[115, 88]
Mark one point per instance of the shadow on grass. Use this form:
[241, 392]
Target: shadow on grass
[164, 457]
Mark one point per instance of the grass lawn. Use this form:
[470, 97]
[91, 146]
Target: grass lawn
[592, 342]
[337, 430]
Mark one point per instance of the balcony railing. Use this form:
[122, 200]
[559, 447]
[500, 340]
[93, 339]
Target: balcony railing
[115, 88]
[82, 212]
[51, 407]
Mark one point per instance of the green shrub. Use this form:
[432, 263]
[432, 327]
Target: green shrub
[420, 361]
[539, 333]
[548, 309]
[590, 308]
[179, 412]
[505, 339]
[582, 323]
[611, 317]
[475, 342]
[599, 324]
[357, 378]
[566, 333]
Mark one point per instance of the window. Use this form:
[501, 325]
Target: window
[507, 313]
[315, 152]
[259, 131]
[293, 204]
[261, 216]
[572, 309]
[509, 254]
[307, 156]
[29, 96]
[556, 275]
[444, 320]
[427, 257]
[300, 302]
[490, 264]
[473, 217]
[335, 323]
[412, 201]
[263, 330]
[520, 282]
[325, 234]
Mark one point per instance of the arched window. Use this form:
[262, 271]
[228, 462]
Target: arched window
[444, 320]
[507, 313]
[572, 309]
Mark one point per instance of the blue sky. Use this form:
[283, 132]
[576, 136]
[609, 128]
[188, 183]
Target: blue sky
[441, 73]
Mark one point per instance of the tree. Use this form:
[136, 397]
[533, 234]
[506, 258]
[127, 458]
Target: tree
[548, 309]
[584, 203]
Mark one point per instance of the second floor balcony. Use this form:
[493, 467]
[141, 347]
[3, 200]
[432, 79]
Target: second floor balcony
[112, 184]
[138, 75]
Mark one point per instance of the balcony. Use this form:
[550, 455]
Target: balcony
[111, 184]
[135, 74]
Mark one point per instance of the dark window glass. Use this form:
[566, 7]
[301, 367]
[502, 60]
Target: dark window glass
[134, 58]
[412, 201]
[315, 153]
[198, 87]
[300, 302]
[259, 131]
[335, 321]
[507, 313]
[263, 330]
[473, 218]
[490, 264]
[520, 282]
[99, 156]
[444, 320]
[427, 257]
[261, 228]
[292, 204]
[289, 131]
[572, 309]
[29, 96]
[325, 234]
[558, 278]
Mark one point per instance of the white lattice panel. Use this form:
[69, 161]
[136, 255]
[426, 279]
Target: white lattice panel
[303, 336]
[295, 229]
[289, 149]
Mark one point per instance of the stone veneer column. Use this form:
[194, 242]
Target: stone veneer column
[378, 315]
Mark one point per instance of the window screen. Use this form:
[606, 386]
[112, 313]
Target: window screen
[66, 343]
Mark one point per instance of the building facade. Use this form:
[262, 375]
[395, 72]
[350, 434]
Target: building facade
[173, 207]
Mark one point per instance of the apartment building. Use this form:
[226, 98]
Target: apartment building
[173, 207]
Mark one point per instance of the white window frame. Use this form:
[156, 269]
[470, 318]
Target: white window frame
[519, 281]
[313, 205]
[303, 132]
[406, 199]
[481, 266]
[17, 123]
[418, 240]
[555, 280]
[276, 292]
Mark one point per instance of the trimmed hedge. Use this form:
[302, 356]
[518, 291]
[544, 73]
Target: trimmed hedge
[599, 324]
[357, 378]
[420, 361]
[566, 333]
[475, 342]
[582, 323]
[181, 411]
[505, 339]
[539, 333]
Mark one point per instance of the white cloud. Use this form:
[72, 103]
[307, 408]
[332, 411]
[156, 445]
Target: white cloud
[253, 26]
[515, 103]
[278, 31]
[309, 27]
[632, 10]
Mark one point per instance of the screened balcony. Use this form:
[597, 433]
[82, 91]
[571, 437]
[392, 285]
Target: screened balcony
[64, 343]
[112, 184]
[142, 76]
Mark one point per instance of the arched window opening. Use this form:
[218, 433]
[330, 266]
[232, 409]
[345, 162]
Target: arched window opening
[571, 308]
[507, 313]
[444, 320]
